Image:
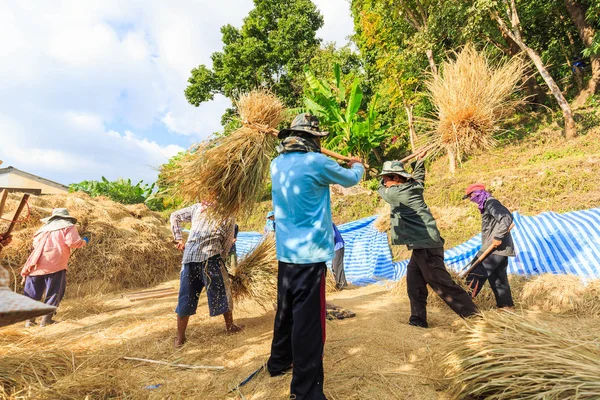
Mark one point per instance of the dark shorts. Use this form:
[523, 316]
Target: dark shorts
[210, 274]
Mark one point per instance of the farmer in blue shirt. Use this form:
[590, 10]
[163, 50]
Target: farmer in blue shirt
[301, 176]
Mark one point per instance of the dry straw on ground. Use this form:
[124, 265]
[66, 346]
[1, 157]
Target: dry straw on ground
[508, 356]
[232, 170]
[471, 98]
[130, 246]
[383, 223]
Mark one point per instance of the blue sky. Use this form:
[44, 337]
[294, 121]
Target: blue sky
[96, 88]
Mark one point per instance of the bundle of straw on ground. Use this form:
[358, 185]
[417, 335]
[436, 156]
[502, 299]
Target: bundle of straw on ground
[563, 294]
[255, 276]
[125, 251]
[471, 98]
[508, 356]
[233, 170]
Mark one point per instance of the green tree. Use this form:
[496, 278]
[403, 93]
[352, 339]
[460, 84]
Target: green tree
[270, 50]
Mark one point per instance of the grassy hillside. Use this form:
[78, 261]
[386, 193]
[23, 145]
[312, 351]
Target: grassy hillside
[540, 173]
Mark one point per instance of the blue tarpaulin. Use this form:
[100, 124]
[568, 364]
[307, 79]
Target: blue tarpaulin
[548, 243]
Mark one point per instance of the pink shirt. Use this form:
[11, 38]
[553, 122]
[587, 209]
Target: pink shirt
[51, 251]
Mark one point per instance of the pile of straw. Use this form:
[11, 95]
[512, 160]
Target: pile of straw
[130, 246]
[471, 97]
[508, 356]
[232, 171]
[255, 276]
[563, 294]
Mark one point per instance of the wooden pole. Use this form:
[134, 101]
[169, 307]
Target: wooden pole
[3, 198]
[174, 365]
[472, 266]
[17, 213]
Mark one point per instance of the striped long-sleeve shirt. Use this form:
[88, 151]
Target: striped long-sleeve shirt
[206, 239]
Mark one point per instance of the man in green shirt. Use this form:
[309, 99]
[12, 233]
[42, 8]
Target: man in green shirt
[413, 225]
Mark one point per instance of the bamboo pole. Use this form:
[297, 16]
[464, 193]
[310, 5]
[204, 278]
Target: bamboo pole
[174, 365]
[17, 213]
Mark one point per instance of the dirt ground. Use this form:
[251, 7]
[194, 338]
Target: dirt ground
[375, 355]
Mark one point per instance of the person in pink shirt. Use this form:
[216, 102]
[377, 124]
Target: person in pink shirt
[46, 268]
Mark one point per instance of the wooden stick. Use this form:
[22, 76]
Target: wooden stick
[416, 153]
[17, 213]
[154, 296]
[174, 365]
[144, 292]
[3, 198]
[482, 257]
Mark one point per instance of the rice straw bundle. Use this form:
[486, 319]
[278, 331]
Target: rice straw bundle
[471, 97]
[507, 356]
[255, 276]
[564, 294]
[232, 170]
[383, 223]
[125, 251]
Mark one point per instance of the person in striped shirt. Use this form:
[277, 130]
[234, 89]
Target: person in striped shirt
[203, 262]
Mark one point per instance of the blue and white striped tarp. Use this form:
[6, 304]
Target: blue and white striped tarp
[548, 243]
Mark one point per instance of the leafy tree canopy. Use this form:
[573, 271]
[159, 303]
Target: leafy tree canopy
[270, 50]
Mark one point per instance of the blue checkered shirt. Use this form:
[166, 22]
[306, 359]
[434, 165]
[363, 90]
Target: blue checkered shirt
[206, 239]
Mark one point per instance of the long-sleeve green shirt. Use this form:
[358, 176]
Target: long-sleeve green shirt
[411, 221]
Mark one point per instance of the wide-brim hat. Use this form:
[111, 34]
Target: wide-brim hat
[306, 123]
[59, 213]
[394, 168]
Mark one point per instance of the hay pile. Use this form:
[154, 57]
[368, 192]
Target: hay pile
[233, 170]
[563, 294]
[471, 97]
[130, 246]
[509, 356]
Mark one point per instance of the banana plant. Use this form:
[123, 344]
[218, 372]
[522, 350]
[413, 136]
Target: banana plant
[353, 131]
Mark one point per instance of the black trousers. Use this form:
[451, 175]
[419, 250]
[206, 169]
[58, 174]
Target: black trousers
[337, 265]
[492, 269]
[299, 332]
[426, 267]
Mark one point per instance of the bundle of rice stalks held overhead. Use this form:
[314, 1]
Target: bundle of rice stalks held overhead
[129, 247]
[255, 276]
[232, 171]
[508, 356]
[471, 97]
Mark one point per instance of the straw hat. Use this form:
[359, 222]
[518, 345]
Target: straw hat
[15, 307]
[59, 213]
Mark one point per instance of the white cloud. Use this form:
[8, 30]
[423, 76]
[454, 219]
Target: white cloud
[74, 72]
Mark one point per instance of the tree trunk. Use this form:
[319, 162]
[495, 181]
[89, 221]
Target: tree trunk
[570, 128]
[451, 160]
[432, 65]
[535, 92]
[586, 32]
[515, 34]
[411, 127]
